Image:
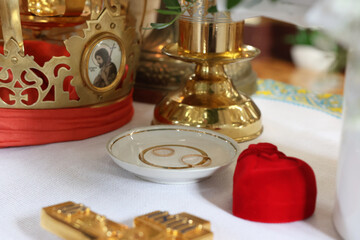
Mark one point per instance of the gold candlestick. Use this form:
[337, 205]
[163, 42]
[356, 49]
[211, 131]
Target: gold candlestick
[208, 98]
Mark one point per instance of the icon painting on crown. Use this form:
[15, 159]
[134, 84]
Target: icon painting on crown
[105, 60]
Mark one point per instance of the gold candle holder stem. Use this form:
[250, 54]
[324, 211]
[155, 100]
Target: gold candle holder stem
[209, 99]
[209, 86]
[210, 71]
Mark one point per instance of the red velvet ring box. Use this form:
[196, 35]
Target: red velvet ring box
[271, 187]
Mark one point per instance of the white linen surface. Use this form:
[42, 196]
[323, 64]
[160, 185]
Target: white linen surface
[81, 171]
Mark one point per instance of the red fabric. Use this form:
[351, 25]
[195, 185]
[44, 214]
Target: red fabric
[19, 127]
[42, 51]
[271, 187]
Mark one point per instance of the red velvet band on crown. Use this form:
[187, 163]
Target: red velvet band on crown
[271, 187]
[19, 127]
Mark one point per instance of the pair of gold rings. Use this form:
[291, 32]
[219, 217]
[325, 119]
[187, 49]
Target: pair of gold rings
[167, 152]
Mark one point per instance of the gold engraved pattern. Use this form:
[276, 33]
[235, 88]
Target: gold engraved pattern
[183, 225]
[77, 222]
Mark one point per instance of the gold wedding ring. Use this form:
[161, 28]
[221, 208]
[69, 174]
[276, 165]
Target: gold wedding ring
[163, 151]
[203, 163]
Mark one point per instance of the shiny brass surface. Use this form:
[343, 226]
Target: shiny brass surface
[242, 76]
[160, 225]
[74, 221]
[55, 7]
[43, 14]
[208, 98]
[158, 74]
[245, 53]
[204, 32]
[210, 37]
[10, 24]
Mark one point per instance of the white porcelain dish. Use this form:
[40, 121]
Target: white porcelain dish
[172, 154]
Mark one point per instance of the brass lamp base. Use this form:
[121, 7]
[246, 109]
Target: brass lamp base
[209, 99]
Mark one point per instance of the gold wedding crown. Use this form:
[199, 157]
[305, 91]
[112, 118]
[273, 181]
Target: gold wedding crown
[70, 80]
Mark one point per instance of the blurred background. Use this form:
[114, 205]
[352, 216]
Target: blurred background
[303, 57]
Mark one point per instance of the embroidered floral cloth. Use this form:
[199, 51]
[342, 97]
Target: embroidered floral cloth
[326, 102]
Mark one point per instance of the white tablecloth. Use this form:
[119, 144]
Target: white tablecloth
[81, 171]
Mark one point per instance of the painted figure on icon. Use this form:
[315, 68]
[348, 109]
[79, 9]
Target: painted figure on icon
[108, 69]
[104, 63]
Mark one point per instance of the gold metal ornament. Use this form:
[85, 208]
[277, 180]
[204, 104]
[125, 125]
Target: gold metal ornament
[27, 85]
[209, 99]
[74, 221]
[158, 74]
